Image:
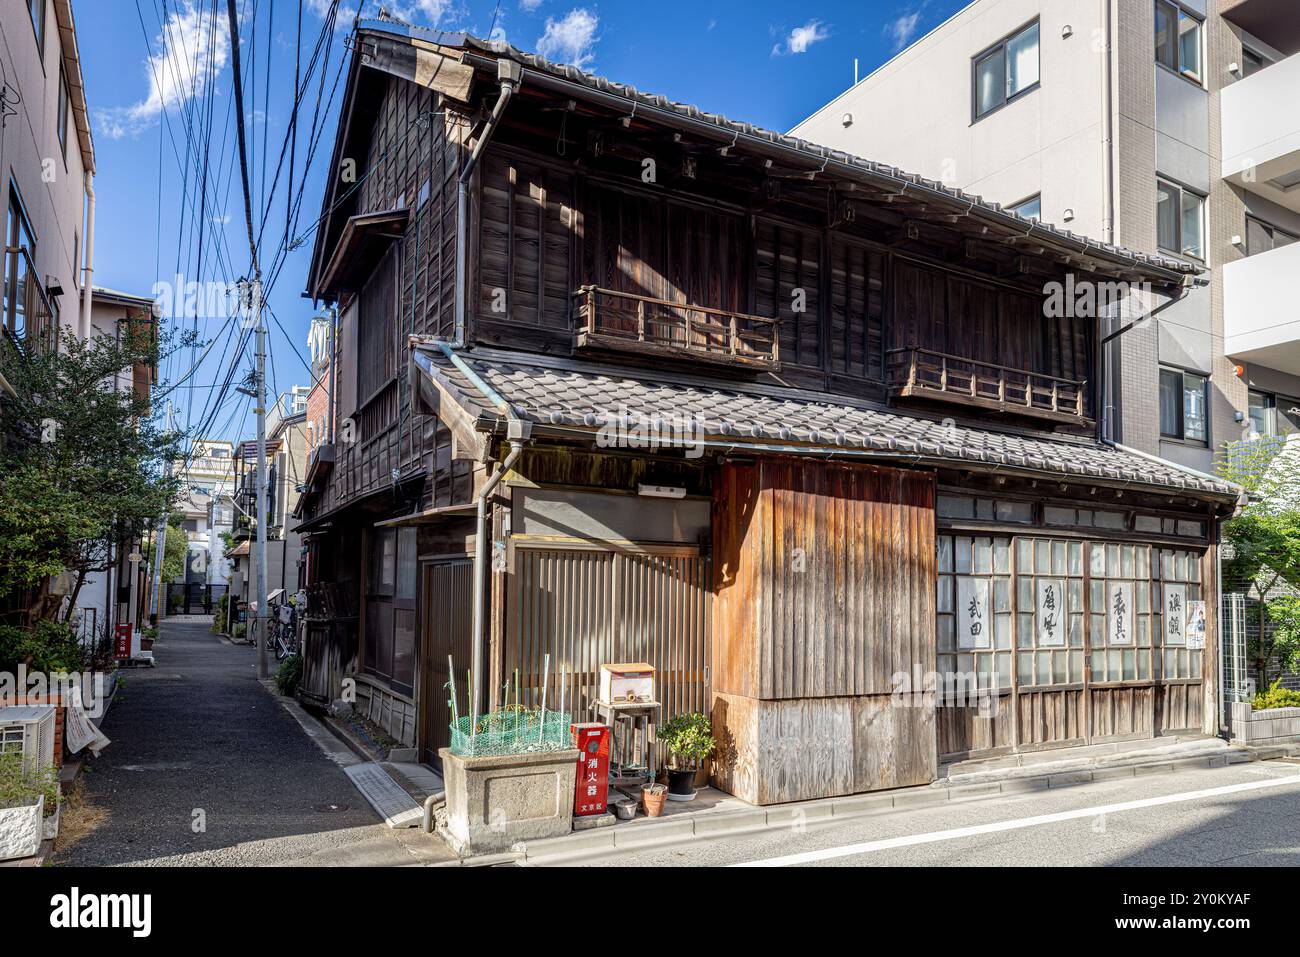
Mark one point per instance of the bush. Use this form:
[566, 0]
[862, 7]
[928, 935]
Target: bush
[48, 646]
[688, 737]
[20, 787]
[219, 614]
[289, 675]
[1276, 697]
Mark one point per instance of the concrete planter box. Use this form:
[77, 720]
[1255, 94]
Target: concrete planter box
[1272, 726]
[496, 801]
[21, 829]
[50, 824]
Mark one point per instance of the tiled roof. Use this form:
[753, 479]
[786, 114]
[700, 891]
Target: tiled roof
[586, 397]
[879, 173]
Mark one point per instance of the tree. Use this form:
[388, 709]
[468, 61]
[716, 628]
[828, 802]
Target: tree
[83, 461]
[176, 551]
[1264, 544]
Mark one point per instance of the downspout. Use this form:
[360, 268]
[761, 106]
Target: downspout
[89, 269]
[508, 72]
[518, 432]
[1109, 365]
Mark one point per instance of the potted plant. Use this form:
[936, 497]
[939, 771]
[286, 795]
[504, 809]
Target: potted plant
[689, 740]
[26, 795]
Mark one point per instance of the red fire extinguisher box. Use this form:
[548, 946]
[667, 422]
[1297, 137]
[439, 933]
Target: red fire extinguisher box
[591, 792]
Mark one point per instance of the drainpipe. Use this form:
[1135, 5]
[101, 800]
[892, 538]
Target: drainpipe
[89, 269]
[518, 432]
[508, 72]
[1110, 352]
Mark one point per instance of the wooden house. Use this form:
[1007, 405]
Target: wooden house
[618, 379]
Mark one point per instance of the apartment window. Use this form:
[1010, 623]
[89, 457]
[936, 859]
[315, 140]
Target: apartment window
[1006, 70]
[1031, 208]
[19, 236]
[1178, 40]
[1180, 220]
[37, 10]
[1262, 237]
[1263, 413]
[63, 114]
[1252, 62]
[1183, 405]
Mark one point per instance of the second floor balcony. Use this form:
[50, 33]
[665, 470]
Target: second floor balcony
[628, 322]
[30, 315]
[926, 374]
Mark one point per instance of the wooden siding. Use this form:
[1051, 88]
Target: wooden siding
[826, 578]
[410, 162]
[445, 629]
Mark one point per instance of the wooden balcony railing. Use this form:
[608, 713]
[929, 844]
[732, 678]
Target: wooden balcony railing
[634, 323]
[28, 313]
[916, 372]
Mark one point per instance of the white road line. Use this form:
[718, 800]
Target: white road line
[933, 837]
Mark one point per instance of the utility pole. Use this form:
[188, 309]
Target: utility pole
[160, 540]
[263, 654]
[263, 664]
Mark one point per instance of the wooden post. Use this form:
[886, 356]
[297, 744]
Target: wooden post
[640, 320]
[1055, 386]
[734, 337]
[943, 371]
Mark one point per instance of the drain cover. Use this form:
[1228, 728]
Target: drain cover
[329, 808]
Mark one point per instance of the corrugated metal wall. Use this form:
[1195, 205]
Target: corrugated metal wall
[587, 606]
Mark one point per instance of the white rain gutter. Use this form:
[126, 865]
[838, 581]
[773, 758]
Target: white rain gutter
[89, 270]
[509, 73]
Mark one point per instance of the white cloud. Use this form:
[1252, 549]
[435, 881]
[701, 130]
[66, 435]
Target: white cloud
[425, 13]
[903, 28]
[529, 5]
[342, 20]
[192, 45]
[570, 40]
[801, 38]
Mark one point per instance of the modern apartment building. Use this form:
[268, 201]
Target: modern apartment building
[1164, 126]
[47, 162]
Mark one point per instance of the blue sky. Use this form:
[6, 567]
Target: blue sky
[767, 62]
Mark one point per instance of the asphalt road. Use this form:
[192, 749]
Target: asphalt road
[1153, 820]
[198, 739]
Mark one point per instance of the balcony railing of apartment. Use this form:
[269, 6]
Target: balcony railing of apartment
[916, 372]
[29, 315]
[629, 322]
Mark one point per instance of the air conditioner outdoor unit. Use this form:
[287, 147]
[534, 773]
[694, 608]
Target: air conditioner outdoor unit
[29, 729]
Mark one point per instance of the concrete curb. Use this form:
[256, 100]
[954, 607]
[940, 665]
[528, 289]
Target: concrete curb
[683, 830]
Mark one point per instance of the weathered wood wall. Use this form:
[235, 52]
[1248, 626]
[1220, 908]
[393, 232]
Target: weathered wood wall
[824, 594]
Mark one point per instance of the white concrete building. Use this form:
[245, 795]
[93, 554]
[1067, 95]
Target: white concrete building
[1160, 125]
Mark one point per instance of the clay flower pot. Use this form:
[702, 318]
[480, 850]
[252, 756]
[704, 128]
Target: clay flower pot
[652, 799]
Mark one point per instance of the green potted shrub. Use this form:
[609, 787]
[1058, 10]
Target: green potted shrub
[27, 797]
[688, 739]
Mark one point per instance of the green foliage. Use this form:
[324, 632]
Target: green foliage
[1284, 617]
[82, 460]
[289, 675]
[688, 737]
[1263, 542]
[19, 787]
[176, 551]
[49, 647]
[219, 614]
[1276, 697]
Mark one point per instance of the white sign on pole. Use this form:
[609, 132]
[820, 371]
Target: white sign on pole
[1175, 607]
[1051, 613]
[1119, 613]
[974, 627]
